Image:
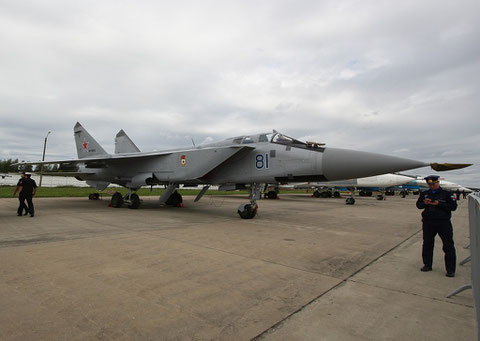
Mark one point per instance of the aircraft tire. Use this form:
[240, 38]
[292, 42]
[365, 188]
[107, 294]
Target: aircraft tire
[247, 211]
[336, 194]
[350, 201]
[369, 194]
[175, 199]
[379, 197]
[93, 196]
[316, 194]
[134, 201]
[272, 195]
[117, 200]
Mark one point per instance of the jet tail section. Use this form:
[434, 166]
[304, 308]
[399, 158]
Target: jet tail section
[86, 144]
[123, 144]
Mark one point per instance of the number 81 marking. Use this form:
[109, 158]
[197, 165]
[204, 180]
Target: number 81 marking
[261, 161]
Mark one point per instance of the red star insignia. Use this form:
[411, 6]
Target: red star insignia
[85, 144]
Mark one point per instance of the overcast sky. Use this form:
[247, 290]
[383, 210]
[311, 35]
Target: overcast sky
[399, 78]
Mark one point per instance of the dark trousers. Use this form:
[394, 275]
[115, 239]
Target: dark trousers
[445, 231]
[30, 208]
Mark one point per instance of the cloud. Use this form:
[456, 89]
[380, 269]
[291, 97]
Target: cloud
[399, 79]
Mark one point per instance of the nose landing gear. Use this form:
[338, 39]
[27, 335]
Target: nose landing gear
[248, 211]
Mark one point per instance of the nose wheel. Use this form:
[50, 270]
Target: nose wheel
[350, 201]
[248, 211]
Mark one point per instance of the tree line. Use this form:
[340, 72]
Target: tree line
[7, 166]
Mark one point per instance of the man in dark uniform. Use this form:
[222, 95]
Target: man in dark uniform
[27, 191]
[437, 205]
[22, 203]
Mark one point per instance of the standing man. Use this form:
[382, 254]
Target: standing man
[27, 192]
[22, 205]
[437, 205]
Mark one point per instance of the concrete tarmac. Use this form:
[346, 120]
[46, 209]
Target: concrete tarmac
[303, 269]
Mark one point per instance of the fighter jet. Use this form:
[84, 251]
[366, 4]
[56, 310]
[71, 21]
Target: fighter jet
[243, 162]
[379, 183]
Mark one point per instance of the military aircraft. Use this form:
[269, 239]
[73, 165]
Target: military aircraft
[3, 176]
[243, 162]
[420, 183]
[380, 183]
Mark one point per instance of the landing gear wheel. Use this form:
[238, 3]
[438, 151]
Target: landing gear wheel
[134, 201]
[316, 194]
[175, 199]
[369, 194]
[336, 194]
[350, 201]
[247, 211]
[93, 196]
[117, 200]
[379, 197]
[271, 195]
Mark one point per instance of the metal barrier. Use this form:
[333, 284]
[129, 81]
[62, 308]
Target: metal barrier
[474, 219]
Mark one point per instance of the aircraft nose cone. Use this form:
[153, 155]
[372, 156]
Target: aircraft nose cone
[340, 164]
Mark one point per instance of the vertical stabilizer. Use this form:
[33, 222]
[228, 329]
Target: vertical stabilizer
[86, 144]
[123, 144]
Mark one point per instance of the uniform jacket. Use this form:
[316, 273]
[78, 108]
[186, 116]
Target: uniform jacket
[27, 186]
[443, 211]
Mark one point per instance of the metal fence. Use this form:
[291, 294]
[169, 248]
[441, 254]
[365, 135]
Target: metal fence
[474, 219]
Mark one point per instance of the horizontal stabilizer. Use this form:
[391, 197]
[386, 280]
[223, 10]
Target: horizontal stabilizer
[440, 167]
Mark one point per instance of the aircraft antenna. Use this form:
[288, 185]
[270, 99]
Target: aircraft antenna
[193, 142]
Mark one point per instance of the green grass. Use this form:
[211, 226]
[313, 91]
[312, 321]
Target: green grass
[52, 192]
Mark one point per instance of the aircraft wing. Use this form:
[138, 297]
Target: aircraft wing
[65, 174]
[102, 159]
[124, 157]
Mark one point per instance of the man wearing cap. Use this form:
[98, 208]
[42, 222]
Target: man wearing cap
[22, 205]
[28, 189]
[437, 205]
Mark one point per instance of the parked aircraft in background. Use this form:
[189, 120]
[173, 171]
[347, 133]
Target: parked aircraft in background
[3, 176]
[420, 184]
[243, 162]
[379, 183]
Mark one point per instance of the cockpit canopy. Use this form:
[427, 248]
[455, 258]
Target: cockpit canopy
[275, 137]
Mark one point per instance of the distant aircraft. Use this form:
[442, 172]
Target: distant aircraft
[379, 183]
[420, 183]
[5, 176]
[243, 162]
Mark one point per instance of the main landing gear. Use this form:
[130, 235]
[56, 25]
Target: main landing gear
[248, 211]
[131, 199]
[326, 194]
[171, 197]
[351, 199]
